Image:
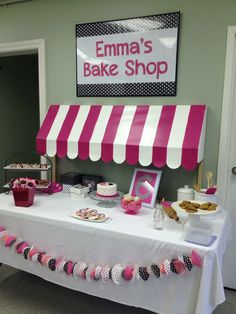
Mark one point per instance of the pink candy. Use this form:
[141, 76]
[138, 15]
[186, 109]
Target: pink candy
[131, 204]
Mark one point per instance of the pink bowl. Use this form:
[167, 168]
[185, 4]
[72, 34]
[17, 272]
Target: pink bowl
[131, 207]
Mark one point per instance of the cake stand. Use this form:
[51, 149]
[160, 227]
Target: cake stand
[106, 201]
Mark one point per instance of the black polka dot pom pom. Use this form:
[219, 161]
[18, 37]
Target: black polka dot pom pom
[52, 264]
[26, 252]
[12, 242]
[187, 262]
[172, 267]
[143, 273]
[110, 273]
[156, 270]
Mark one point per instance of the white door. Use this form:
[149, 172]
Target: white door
[227, 157]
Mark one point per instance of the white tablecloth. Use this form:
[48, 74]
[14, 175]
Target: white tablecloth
[123, 239]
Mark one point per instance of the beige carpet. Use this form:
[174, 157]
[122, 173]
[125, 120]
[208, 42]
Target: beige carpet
[23, 293]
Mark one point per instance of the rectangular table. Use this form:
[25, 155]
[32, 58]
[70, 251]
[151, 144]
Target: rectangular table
[123, 239]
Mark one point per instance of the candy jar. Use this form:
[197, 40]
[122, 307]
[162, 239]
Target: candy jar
[131, 204]
[159, 217]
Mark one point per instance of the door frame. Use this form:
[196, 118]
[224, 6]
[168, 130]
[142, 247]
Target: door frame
[27, 47]
[224, 166]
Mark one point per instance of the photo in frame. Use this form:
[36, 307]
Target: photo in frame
[145, 183]
[128, 57]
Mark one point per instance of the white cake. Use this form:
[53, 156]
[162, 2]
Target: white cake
[106, 189]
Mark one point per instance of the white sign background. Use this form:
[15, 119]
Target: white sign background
[158, 64]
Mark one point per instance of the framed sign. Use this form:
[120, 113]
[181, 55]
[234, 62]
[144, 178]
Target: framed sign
[145, 183]
[130, 57]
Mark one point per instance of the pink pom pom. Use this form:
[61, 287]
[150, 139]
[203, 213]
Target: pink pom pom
[69, 267]
[20, 247]
[59, 259]
[128, 272]
[92, 274]
[162, 269]
[2, 229]
[10, 240]
[45, 259]
[32, 252]
[196, 259]
[179, 266]
[4, 234]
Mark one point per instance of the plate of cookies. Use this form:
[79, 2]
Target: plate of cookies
[196, 207]
[89, 214]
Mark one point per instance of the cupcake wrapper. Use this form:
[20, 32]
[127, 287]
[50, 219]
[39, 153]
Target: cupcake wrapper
[105, 273]
[187, 262]
[116, 274]
[172, 266]
[26, 252]
[143, 273]
[97, 274]
[52, 264]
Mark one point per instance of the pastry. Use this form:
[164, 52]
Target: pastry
[26, 165]
[107, 189]
[192, 207]
[89, 214]
[170, 212]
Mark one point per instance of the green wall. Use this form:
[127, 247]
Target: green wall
[201, 61]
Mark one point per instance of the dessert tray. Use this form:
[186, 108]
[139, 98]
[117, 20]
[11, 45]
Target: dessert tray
[106, 201]
[201, 212]
[39, 186]
[28, 167]
[89, 214]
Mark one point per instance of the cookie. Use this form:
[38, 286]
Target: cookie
[204, 206]
[189, 210]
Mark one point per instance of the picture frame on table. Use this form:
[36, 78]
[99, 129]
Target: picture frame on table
[145, 183]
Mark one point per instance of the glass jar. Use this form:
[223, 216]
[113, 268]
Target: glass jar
[159, 217]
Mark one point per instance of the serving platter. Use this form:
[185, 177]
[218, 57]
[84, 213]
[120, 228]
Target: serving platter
[27, 169]
[37, 186]
[93, 217]
[90, 220]
[201, 212]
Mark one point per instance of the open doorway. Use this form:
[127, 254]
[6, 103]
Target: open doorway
[19, 105]
[22, 97]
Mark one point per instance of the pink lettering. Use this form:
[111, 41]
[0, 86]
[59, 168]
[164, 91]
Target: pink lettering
[99, 48]
[136, 67]
[162, 68]
[148, 45]
[87, 71]
[151, 68]
[113, 70]
[100, 69]
[129, 64]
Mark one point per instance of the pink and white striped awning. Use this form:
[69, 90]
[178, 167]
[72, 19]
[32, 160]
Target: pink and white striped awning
[160, 135]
